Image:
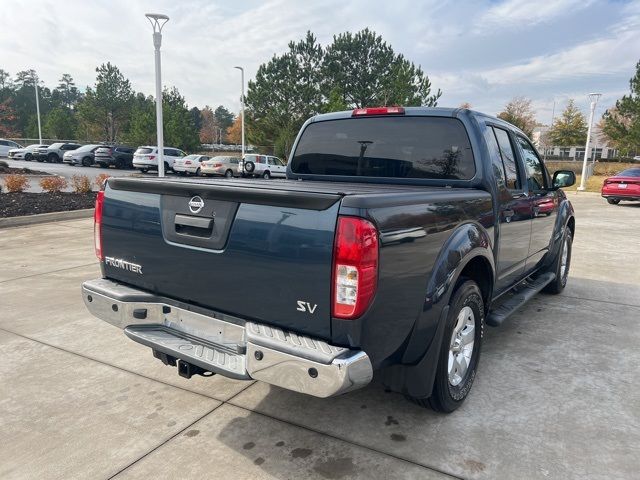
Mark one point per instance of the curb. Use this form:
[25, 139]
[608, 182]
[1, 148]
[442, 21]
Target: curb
[45, 218]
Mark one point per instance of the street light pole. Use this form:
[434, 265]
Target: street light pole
[594, 99]
[242, 110]
[158, 21]
[35, 84]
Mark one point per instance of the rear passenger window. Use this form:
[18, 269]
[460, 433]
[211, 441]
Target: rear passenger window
[508, 158]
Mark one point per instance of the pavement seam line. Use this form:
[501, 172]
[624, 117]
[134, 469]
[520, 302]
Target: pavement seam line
[600, 301]
[47, 273]
[222, 402]
[350, 442]
[86, 357]
[228, 402]
[164, 442]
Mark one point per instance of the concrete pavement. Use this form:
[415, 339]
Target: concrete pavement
[557, 393]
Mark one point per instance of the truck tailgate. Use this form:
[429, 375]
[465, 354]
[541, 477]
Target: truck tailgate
[250, 249]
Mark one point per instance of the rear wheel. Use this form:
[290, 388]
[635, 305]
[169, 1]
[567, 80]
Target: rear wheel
[52, 158]
[86, 162]
[144, 170]
[266, 175]
[119, 163]
[460, 350]
[166, 167]
[613, 201]
[228, 174]
[28, 157]
[560, 265]
[198, 172]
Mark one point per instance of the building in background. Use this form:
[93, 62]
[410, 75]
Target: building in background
[576, 152]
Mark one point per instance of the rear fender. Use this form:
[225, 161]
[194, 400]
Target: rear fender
[420, 358]
[565, 214]
[468, 241]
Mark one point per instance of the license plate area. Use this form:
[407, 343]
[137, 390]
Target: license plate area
[622, 185]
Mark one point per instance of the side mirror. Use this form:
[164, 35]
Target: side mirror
[563, 178]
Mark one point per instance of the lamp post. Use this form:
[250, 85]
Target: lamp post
[35, 84]
[158, 21]
[242, 110]
[594, 99]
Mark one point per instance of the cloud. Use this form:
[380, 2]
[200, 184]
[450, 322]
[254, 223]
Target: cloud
[524, 14]
[478, 51]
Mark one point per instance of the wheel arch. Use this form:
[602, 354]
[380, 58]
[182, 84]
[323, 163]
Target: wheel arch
[466, 254]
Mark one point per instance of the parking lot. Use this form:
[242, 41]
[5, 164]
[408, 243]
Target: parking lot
[557, 394]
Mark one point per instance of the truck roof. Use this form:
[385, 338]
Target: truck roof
[420, 111]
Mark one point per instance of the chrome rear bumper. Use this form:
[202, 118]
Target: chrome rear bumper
[227, 345]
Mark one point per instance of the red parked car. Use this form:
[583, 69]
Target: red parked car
[622, 186]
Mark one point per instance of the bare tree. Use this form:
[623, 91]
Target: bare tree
[518, 112]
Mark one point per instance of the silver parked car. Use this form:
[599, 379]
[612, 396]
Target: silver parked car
[221, 165]
[189, 164]
[85, 155]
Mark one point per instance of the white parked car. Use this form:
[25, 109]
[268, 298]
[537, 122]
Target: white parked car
[189, 164]
[6, 145]
[145, 158]
[25, 153]
[221, 165]
[264, 166]
[85, 155]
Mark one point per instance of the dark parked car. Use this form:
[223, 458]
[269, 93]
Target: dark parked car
[120, 156]
[622, 186]
[396, 236]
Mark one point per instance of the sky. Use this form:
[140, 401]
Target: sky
[482, 52]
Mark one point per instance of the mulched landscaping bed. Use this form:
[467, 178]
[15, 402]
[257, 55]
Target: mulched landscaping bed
[21, 171]
[19, 204]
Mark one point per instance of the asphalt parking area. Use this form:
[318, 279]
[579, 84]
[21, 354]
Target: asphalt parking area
[557, 394]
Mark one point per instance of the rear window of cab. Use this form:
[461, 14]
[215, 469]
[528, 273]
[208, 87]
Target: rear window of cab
[390, 147]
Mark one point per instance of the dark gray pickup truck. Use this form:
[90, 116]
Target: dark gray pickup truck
[398, 233]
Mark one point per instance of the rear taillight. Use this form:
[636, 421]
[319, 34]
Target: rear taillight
[217, 165]
[97, 225]
[152, 157]
[361, 112]
[355, 267]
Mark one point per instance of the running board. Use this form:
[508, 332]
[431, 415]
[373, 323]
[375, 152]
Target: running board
[522, 296]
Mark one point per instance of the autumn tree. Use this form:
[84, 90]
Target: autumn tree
[621, 124]
[519, 112]
[7, 119]
[234, 132]
[570, 129]
[208, 126]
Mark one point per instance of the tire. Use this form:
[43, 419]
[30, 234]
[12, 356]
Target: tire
[86, 162]
[249, 167]
[466, 314]
[613, 201]
[119, 163]
[266, 175]
[52, 158]
[28, 157]
[228, 174]
[40, 159]
[198, 174]
[561, 265]
[167, 168]
[144, 170]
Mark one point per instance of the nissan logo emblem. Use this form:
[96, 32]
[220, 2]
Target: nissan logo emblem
[196, 204]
